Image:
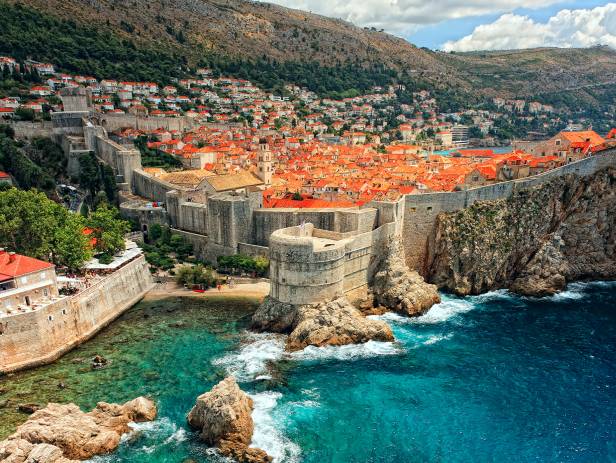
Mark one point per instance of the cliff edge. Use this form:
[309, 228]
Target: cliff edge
[533, 243]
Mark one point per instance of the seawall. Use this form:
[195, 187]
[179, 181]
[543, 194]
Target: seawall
[35, 338]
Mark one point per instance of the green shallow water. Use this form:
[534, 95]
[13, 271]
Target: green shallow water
[162, 349]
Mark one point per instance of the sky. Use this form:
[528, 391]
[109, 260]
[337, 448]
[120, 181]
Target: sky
[466, 25]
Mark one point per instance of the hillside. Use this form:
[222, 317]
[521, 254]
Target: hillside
[273, 45]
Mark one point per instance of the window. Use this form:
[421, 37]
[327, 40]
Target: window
[429, 208]
[43, 275]
[45, 292]
[24, 280]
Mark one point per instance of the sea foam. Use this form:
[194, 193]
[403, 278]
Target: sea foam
[251, 360]
[267, 435]
[348, 352]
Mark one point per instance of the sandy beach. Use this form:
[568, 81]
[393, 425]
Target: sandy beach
[258, 289]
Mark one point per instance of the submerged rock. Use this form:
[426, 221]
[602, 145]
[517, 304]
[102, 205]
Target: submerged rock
[334, 323]
[400, 289]
[63, 433]
[223, 415]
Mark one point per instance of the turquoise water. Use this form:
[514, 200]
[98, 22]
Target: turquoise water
[487, 378]
[497, 150]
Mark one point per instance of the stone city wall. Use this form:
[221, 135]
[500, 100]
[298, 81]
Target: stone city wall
[151, 187]
[24, 129]
[35, 338]
[266, 221]
[420, 211]
[113, 122]
[314, 265]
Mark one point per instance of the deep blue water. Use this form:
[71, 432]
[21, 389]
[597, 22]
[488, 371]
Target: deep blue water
[492, 378]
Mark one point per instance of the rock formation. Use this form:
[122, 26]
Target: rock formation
[223, 415]
[63, 433]
[334, 323]
[534, 242]
[399, 289]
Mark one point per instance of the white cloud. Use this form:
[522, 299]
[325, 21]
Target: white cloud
[400, 16]
[568, 28]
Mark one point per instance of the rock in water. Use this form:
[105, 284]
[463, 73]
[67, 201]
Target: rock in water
[335, 322]
[400, 289]
[63, 433]
[223, 415]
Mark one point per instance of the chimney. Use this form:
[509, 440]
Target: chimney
[12, 257]
[2, 251]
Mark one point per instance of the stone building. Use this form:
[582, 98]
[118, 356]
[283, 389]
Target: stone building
[25, 281]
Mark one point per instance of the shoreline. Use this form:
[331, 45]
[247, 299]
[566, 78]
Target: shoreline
[257, 290]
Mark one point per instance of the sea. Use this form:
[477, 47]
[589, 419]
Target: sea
[490, 378]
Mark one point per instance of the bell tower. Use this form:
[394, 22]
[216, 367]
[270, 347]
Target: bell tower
[264, 163]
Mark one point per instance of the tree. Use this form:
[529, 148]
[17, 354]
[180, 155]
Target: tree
[71, 247]
[108, 229]
[33, 225]
[89, 174]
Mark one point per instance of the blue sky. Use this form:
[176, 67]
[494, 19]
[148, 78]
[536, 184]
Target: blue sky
[464, 25]
[434, 35]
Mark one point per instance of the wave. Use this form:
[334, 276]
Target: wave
[251, 360]
[348, 352]
[161, 432]
[267, 435]
[439, 313]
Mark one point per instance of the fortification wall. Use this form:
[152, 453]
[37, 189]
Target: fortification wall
[23, 129]
[420, 211]
[302, 271]
[200, 244]
[36, 338]
[113, 122]
[151, 187]
[266, 221]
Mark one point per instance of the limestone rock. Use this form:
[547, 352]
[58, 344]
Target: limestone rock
[400, 289]
[274, 316]
[335, 323]
[534, 242]
[63, 433]
[223, 415]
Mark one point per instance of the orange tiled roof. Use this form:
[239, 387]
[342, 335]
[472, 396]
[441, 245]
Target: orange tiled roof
[16, 265]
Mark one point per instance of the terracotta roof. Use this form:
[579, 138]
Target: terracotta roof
[186, 178]
[16, 265]
[228, 182]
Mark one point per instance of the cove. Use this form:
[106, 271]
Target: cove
[486, 378]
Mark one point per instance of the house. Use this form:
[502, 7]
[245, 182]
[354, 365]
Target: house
[7, 113]
[568, 146]
[25, 281]
[5, 178]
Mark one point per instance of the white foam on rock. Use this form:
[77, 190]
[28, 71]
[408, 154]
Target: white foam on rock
[267, 435]
[251, 360]
[348, 352]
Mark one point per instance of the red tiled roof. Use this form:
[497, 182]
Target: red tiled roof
[16, 265]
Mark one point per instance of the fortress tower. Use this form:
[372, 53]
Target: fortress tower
[264, 163]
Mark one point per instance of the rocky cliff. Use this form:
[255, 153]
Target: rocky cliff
[64, 434]
[223, 415]
[534, 242]
[397, 288]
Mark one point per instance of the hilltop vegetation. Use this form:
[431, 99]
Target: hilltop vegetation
[272, 45]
